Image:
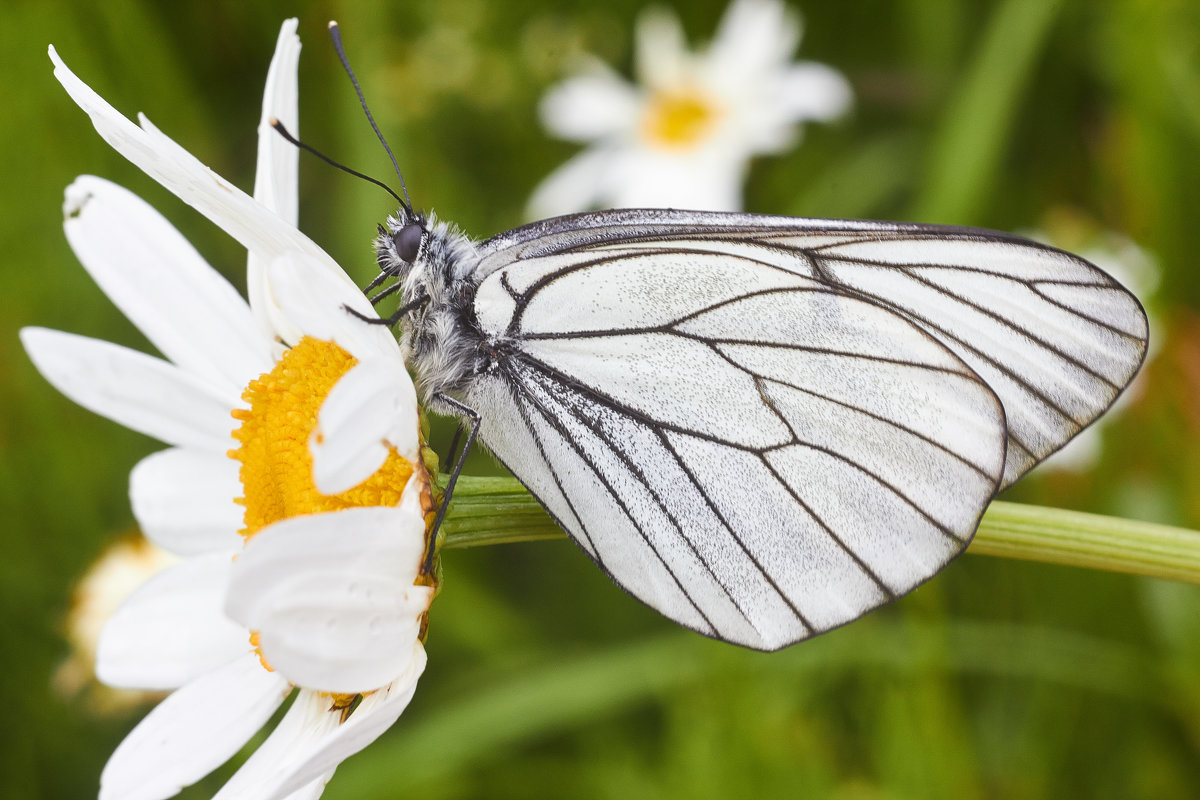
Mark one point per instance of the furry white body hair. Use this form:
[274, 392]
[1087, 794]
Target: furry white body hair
[441, 339]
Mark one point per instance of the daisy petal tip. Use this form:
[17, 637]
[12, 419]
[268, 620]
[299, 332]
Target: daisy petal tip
[412, 498]
[80, 194]
[75, 197]
[46, 347]
[404, 438]
[371, 407]
[29, 336]
[196, 729]
[69, 80]
[335, 473]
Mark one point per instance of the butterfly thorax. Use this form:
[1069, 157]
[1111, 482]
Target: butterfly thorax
[440, 336]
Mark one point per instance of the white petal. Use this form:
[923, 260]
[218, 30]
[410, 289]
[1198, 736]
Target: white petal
[372, 406]
[183, 500]
[1081, 453]
[377, 712]
[193, 731]
[661, 58]
[332, 595]
[158, 280]
[142, 393]
[251, 223]
[172, 629]
[590, 106]
[809, 90]
[753, 38]
[710, 180]
[577, 185]
[382, 541]
[339, 631]
[760, 127]
[276, 179]
[414, 494]
[315, 304]
[306, 723]
[266, 304]
[313, 790]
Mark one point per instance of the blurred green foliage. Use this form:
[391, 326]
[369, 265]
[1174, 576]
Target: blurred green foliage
[997, 679]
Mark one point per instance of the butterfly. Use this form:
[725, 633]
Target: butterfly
[761, 426]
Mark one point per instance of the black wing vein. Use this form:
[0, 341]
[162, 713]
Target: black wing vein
[633, 468]
[531, 401]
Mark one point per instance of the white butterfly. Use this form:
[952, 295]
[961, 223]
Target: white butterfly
[763, 427]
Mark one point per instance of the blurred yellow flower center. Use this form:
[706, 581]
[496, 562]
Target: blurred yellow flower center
[677, 120]
[277, 469]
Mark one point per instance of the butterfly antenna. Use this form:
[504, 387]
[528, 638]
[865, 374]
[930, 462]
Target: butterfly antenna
[336, 35]
[282, 131]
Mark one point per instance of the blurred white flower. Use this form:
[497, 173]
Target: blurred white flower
[321, 502]
[682, 137]
[1138, 271]
[119, 570]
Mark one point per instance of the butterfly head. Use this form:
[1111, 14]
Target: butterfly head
[429, 263]
[401, 242]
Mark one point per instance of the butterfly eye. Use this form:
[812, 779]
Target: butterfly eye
[408, 241]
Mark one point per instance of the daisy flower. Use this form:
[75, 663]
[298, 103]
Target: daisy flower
[292, 490]
[682, 137]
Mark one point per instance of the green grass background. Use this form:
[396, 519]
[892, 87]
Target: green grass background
[998, 679]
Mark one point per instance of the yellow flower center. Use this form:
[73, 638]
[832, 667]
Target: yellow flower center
[680, 119]
[276, 463]
[277, 469]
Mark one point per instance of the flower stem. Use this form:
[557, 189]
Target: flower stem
[1057, 536]
[500, 510]
[494, 511]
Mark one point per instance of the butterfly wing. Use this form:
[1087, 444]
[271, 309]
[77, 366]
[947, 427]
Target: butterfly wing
[755, 453]
[1056, 338]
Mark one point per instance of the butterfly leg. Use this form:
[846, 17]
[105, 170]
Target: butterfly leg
[458, 432]
[448, 493]
[382, 293]
[394, 318]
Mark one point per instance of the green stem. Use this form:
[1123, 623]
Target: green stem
[500, 510]
[494, 511]
[1053, 535]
